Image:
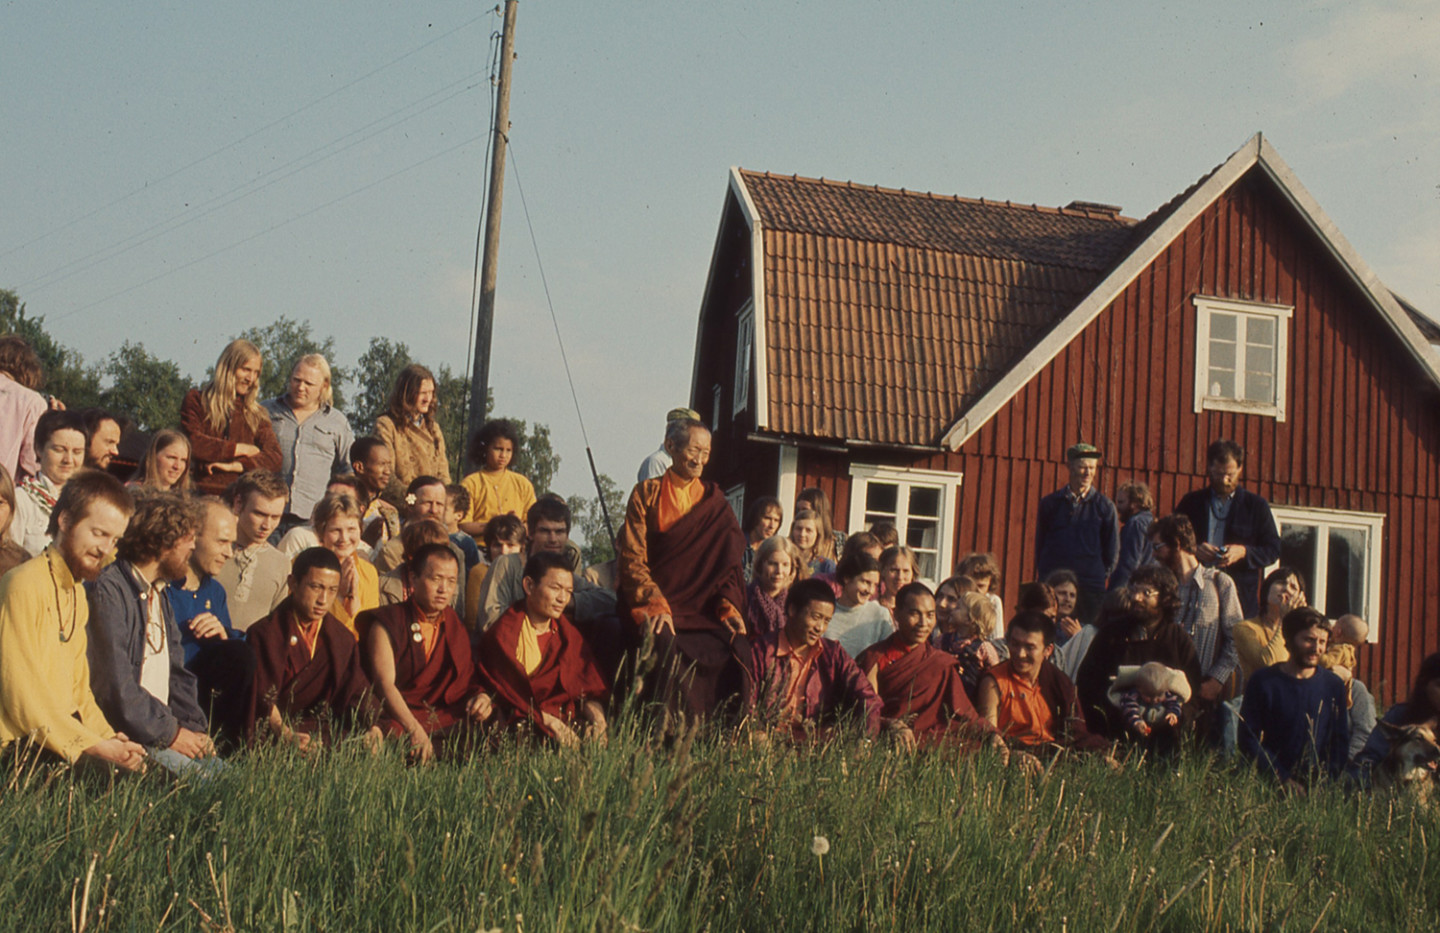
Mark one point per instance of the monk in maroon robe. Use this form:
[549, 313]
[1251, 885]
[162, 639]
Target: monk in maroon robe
[682, 578]
[419, 658]
[308, 678]
[540, 669]
[921, 691]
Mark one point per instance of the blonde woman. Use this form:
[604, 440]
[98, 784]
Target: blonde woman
[166, 466]
[336, 521]
[807, 531]
[229, 432]
[409, 428]
[776, 561]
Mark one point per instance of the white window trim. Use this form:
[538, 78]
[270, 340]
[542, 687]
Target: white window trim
[949, 483]
[1204, 307]
[735, 495]
[744, 356]
[1372, 522]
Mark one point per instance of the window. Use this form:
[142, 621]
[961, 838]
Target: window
[919, 503]
[1240, 355]
[715, 407]
[744, 356]
[1339, 554]
[735, 495]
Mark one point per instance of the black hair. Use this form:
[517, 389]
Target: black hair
[542, 562]
[806, 592]
[313, 558]
[1032, 621]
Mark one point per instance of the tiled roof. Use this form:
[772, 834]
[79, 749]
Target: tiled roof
[889, 312]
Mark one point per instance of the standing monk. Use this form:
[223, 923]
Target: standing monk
[307, 672]
[681, 577]
[539, 667]
[922, 696]
[419, 658]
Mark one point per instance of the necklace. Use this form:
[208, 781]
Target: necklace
[74, 605]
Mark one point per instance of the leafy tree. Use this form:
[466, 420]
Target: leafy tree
[589, 521]
[66, 376]
[144, 387]
[281, 344]
[375, 373]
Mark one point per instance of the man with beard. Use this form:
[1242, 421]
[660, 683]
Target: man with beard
[137, 665]
[45, 693]
[103, 431]
[1235, 528]
[1293, 719]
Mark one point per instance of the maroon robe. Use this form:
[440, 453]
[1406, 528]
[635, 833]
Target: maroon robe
[312, 693]
[923, 688]
[833, 688]
[435, 690]
[567, 675]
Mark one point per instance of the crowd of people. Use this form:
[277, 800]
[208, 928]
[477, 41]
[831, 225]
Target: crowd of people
[262, 575]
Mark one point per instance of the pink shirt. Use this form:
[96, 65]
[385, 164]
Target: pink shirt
[20, 408]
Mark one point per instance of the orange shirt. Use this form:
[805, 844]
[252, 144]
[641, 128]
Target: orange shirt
[1023, 714]
[677, 499]
[798, 661]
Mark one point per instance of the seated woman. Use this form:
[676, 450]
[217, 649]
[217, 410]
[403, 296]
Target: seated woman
[60, 445]
[897, 571]
[495, 489]
[859, 621]
[229, 432]
[762, 522]
[775, 565]
[336, 520]
[1066, 587]
[817, 552]
[166, 466]
[1259, 642]
[419, 659]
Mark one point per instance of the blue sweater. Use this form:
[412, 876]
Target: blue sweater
[1293, 727]
[1079, 535]
[209, 597]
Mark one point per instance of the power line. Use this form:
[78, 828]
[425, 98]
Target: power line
[248, 136]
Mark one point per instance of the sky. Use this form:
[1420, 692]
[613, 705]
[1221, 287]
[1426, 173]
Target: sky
[173, 173]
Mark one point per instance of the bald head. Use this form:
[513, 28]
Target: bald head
[215, 541]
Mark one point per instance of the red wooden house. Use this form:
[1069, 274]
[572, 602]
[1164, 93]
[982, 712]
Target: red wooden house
[926, 360]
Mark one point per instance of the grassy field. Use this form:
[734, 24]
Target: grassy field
[706, 835]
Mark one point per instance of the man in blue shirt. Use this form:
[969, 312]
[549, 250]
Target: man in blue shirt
[314, 436]
[1235, 528]
[1079, 530]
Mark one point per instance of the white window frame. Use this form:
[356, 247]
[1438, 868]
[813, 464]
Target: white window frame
[1204, 307]
[735, 495]
[1373, 523]
[949, 485]
[744, 356]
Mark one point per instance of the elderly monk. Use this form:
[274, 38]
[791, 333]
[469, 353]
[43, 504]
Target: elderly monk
[681, 577]
[45, 694]
[308, 678]
[540, 669]
[419, 658]
[922, 694]
[804, 683]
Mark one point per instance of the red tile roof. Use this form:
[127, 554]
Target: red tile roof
[888, 312]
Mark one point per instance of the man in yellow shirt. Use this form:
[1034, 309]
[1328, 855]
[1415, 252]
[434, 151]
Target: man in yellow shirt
[45, 692]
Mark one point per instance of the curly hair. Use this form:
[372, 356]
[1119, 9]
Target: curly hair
[160, 520]
[1164, 583]
[490, 432]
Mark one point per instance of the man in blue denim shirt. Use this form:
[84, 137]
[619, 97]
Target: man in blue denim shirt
[1079, 530]
[314, 437]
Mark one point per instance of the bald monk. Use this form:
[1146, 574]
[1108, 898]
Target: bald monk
[308, 680]
[418, 656]
[538, 667]
[922, 695]
[804, 684]
[681, 578]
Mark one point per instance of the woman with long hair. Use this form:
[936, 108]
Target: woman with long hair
[229, 432]
[762, 522]
[775, 563]
[166, 466]
[409, 427]
[1259, 641]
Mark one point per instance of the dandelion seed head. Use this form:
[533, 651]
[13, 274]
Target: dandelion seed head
[819, 846]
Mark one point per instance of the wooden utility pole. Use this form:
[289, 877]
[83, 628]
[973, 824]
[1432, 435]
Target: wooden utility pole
[489, 263]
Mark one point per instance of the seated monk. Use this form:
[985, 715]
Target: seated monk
[922, 695]
[540, 670]
[1027, 698]
[308, 677]
[681, 577]
[804, 682]
[418, 656]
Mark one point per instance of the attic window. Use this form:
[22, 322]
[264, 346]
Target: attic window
[1241, 348]
[744, 355]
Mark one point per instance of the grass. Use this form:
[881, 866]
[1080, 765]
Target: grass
[709, 834]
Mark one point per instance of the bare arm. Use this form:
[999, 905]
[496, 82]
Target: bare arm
[987, 701]
[382, 666]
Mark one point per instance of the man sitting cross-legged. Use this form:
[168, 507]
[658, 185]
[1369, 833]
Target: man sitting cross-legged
[308, 680]
[922, 694]
[137, 664]
[418, 656]
[535, 661]
[802, 682]
[45, 694]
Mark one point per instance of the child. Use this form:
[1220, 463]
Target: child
[1348, 633]
[457, 504]
[503, 534]
[859, 622]
[495, 489]
[965, 637]
[1150, 698]
[984, 569]
[897, 568]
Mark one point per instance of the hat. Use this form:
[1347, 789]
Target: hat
[681, 414]
[1082, 451]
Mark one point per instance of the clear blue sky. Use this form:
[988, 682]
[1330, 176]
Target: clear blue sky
[311, 184]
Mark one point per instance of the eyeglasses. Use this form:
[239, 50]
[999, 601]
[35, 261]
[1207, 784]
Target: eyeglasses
[1144, 591]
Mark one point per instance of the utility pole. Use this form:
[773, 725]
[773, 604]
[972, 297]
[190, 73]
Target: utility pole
[489, 263]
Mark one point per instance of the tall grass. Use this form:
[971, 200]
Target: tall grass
[707, 833]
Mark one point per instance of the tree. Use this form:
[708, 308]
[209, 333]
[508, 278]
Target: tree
[66, 377]
[535, 459]
[283, 343]
[589, 521]
[378, 368]
[143, 386]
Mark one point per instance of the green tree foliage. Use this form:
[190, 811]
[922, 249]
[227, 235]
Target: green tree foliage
[375, 374]
[144, 387]
[66, 377]
[283, 343]
[589, 521]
